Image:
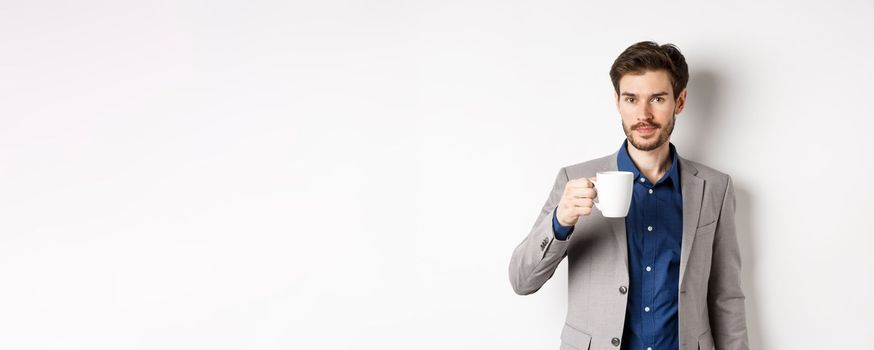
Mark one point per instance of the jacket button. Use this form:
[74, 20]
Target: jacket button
[623, 289]
[615, 341]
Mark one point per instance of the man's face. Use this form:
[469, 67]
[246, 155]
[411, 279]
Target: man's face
[648, 108]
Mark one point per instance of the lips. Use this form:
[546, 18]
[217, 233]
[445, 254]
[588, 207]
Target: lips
[646, 130]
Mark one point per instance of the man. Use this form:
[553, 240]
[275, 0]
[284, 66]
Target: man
[668, 275]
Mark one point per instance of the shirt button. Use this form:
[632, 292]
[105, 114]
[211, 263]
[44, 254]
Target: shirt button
[650, 191]
[614, 341]
[623, 289]
[646, 309]
[649, 268]
[649, 228]
[649, 348]
[641, 179]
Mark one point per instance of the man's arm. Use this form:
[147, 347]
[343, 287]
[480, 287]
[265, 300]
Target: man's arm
[562, 233]
[535, 259]
[725, 298]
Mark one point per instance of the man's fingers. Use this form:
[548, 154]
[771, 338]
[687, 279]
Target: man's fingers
[580, 183]
[582, 193]
[583, 202]
[580, 207]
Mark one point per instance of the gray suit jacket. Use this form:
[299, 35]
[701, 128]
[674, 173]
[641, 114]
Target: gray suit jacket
[711, 301]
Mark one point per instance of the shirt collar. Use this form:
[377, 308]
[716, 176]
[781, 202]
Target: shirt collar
[624, 163]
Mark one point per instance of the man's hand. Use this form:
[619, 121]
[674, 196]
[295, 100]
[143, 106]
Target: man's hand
[577, 200]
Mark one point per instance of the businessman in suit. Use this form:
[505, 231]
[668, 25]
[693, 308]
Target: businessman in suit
[668, 275]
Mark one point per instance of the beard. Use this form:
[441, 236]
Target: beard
[650, 142]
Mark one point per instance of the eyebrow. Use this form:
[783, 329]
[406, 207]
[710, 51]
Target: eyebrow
[657, 94]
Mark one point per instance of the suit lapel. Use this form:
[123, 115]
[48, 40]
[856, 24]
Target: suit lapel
[618, 224]
[692, 187]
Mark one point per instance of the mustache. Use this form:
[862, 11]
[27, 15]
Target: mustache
[637, 126]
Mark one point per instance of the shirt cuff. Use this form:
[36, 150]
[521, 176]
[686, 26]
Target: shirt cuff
[561, 232]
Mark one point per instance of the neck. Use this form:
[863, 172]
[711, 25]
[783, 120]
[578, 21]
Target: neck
[652, 164]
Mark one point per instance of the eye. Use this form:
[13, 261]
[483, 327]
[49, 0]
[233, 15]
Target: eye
[659, 99]
[629, 99]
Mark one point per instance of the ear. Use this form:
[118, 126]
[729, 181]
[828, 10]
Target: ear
[681, 102]
[616, 99]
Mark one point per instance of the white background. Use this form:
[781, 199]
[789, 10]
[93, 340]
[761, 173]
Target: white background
[339, 175]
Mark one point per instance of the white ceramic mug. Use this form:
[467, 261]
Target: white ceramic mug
[614, 192]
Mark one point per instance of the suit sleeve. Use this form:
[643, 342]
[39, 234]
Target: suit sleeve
[725, 298]
[562, 233]
[535, 259]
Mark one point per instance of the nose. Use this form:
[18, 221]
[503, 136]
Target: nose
[644, 112]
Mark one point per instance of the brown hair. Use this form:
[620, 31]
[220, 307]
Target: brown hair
[646, 56]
